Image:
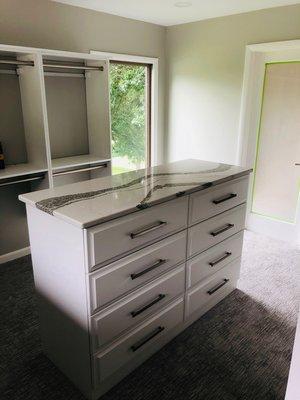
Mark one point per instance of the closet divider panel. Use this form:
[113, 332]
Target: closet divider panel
[97, 96]
[31, 88]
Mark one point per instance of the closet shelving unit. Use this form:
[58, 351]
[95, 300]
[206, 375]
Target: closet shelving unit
[55, 128]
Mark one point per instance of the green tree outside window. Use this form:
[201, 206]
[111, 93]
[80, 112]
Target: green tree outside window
[128, 111]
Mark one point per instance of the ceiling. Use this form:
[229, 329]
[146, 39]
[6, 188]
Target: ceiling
[164, 12]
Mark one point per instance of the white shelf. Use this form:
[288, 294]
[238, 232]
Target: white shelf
[76, 161]
[12, 171]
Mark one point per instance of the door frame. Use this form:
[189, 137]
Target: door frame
[256, 58]
[154, 139]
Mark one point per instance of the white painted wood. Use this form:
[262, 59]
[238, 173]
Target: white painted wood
[199, 268]
[93, 118]
[276, 229]
[39, 62]
[279, 144]
[255, 60]
[14, 255]
[198, 296]
[60, 283]
[49, 52]
[124, 370]
[202, 204]
[114, 320]
[154, 93]
[97, 97]
[34, 107]
[30, 86]
[121, 353]
[110, 282]
[87, 327]
[76, 161]
[18, 170]
[113, 239]
[200, 236]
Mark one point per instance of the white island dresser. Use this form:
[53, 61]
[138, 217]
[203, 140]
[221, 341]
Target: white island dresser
[122, 264]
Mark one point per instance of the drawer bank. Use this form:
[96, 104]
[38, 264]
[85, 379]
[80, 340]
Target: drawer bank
[124, 263]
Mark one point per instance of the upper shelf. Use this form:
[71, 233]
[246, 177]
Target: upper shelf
[76, 161]
[13, 171]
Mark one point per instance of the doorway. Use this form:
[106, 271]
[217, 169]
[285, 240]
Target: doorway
[276, 181]
[270, 138]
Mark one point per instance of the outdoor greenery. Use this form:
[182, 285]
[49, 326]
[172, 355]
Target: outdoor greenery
[127, 97]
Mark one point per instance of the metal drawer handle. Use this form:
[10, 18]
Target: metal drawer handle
[221, 230]
[226, 255]
[146, 270]
[214, 289]
[144, 308]
[146, 339]
[224, 198]
[150, 228]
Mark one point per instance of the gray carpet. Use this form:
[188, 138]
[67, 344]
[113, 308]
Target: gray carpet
[241, 349]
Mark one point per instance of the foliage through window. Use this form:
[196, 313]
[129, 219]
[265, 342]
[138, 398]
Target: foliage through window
[129, 119]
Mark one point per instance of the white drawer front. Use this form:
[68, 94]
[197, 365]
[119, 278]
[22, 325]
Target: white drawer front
[214, 230]
[213, 201]
[138, 341]
[214, 289]
[134, 308]
[213, 259]
[113, 239]
[110, 282]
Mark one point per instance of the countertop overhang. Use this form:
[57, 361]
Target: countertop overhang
[88, 203]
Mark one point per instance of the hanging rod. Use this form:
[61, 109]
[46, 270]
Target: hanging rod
[16, 62]
[74, 171]
[21, 181]
[65, 74]
[66, 66]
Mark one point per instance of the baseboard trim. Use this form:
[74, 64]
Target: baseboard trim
[14, 255]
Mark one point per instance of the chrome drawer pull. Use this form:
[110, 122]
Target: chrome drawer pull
[141, 310]
[145, 271]
[141, 342]
[224, 198]
[214, 289]
[226, 255]
[150, 228]
[221, 230]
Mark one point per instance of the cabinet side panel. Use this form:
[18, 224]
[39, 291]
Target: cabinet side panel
[30, 87]
[97, 97]
[58, 264]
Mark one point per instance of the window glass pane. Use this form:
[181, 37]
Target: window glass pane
[128, 97]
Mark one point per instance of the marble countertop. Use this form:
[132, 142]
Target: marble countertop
[91, 202]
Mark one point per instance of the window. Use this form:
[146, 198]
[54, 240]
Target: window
[130, 104]
[147, 70]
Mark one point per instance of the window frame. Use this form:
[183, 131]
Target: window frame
[152, 139]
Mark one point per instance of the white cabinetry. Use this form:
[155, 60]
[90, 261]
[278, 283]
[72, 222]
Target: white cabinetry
[54, 128]
[112, 294]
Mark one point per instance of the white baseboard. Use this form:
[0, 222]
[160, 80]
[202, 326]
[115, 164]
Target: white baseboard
[14, 255]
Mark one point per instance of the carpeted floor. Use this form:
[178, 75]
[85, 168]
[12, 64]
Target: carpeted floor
[241, 349]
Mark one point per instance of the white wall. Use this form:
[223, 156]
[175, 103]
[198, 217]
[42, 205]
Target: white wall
[205, 62]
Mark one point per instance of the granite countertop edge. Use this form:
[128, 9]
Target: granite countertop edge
[150, 204]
